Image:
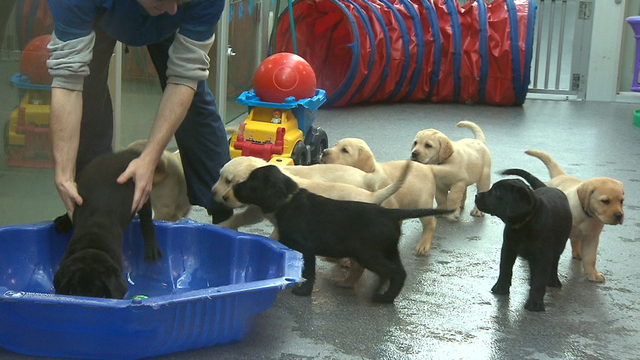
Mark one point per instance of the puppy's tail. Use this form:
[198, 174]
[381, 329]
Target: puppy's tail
[477, 132]
[402, 214]
[552, 166]
[532, 180]
[383, 194]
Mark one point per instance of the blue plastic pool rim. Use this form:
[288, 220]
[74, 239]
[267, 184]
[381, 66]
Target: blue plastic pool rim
[291, 257]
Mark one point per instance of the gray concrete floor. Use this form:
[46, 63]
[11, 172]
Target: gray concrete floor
[446, 309]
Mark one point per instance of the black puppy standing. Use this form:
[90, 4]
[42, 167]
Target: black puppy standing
[537, 226]
[316, 225]
[92, 263]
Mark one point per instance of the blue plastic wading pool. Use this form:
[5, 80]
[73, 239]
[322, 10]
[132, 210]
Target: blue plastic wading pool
[205, 290]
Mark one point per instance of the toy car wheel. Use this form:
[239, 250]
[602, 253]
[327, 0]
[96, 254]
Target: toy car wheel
[5, 139]
[317, 141]
[317, 152]
[300, 154]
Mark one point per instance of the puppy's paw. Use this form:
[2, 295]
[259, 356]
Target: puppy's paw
[423, 249]
[534, 305]
[454, 217]
[303, 289]
[554, 283]
[229, 224]
[500, 289]
[345, 283]
[152, 253]
[596, 277]
[476, 213]
[382, 299]
[62, 223]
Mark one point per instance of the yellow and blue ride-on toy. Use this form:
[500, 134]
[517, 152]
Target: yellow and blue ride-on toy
[27, 140]
[280, 132]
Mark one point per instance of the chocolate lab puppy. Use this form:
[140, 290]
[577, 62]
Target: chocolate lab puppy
[92, 263]
[537, 225]
[316, 225]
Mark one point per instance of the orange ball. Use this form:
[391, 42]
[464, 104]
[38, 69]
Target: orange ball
[283, 75]
[33, 61]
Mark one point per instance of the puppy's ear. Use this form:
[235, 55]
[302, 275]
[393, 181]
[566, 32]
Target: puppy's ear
[366, 161]
[520, 203]
[278, 189]
[585, 190]
[446, 149]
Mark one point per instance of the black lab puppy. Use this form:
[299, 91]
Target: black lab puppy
[537, 225]
[316, 225]
[92, 263]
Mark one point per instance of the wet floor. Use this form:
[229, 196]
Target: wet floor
[446, 309]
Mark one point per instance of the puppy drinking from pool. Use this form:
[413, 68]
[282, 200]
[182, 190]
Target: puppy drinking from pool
[92, 263]
[316, 225]
[537, 226]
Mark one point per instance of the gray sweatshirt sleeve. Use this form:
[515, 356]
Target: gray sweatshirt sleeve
[69, 61]
[188, 61]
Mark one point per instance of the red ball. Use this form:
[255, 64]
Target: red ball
[282, 75]
[33, 61]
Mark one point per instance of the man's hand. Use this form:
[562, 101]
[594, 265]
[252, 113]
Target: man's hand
[141, 172]
[173, 107]
[68, 191]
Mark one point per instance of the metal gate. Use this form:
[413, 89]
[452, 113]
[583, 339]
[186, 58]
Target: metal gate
[561, 47]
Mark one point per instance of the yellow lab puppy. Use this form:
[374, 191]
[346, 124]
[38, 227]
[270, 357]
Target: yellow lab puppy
[594, 203]
[332, 181]
[417, 192]
[169, 198]
[465, 162]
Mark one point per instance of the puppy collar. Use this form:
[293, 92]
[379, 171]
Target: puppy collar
[288, 198]
[586, 212]
[520, 224]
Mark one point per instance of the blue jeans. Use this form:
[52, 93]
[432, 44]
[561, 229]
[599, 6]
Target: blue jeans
[201, 137]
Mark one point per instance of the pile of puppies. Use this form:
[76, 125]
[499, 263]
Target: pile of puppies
[534, 214]
[351, 206]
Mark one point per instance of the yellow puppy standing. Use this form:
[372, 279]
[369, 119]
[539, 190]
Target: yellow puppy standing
[417, 192]
[594, 203]
[461, 163]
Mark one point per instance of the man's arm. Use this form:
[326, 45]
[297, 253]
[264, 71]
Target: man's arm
[69, 64]
[173, 107]
[188, 63]
[65, 118]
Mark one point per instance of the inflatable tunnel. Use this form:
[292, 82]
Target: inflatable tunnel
[413, 50]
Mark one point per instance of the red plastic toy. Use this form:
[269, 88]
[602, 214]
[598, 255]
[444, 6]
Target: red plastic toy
[283, 75]
[33, 61]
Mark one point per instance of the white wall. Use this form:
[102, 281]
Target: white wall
[606, 42]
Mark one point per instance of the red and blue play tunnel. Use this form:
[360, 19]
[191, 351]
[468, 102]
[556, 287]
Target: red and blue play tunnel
[414, 50]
